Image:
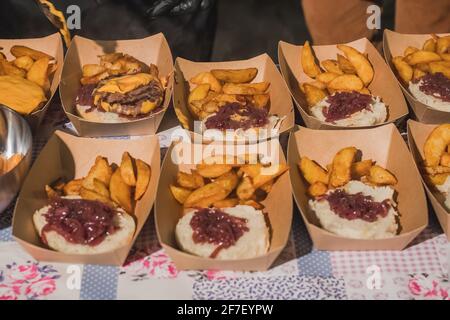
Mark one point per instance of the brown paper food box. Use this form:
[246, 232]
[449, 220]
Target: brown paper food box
[383, 84]
[386, 146]
[68, 157]
[51, 45]
[280, 101]
[168, 211]
[417, 135]
[393, 45]
[153, 49]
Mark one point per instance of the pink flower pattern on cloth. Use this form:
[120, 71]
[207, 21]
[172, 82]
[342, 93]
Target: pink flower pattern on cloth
[425, 287]
[30, 280]
[155, 265]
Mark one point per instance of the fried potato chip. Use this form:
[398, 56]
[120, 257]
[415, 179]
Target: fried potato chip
[326, 77]
[445, 160]
[332, 66]
[422, 56]
[180, 194]
[100, 170]
[436, 144]
[429, 45]
[363, 67]
[312, 171]
[72, 188]
[190, 180]
[24, 62]
[341, 166]
[245, 189]
[120, 192]
[245, 88]
[317, 189]
[88, 194]
[226, 203]
[346, 82]
[235, 75]
[313, 94]
[213, 170]
[20, 51]
[144, 173]
[361, 168]
[410, 50]
[228, 181]
[381, 176]
[127, 169]
[208, 194]
[405, 71]
[269, 173]
[309, 61]
[345, 65]
[38, 73]
[207, 78]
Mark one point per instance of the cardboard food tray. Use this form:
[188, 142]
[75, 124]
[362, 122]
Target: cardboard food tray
[168, 211]
[384, 83]
[394, 44]
[385, 145]
[417, 135]
[153, 49]
[51, 45]
[280, 101]
[66, 156]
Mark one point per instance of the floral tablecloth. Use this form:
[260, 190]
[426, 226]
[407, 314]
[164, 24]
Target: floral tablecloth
[418, 272]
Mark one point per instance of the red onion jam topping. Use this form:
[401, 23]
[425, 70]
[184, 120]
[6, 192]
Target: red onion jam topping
[237, 116]
[344, 104]
[436, 85]
[214, 226]
[80, 221]
[84, 95]
[356, 206]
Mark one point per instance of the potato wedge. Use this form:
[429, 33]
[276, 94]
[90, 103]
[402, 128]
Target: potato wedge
[190, 180]
[269, 173]
[443, 44]
[228, 181]
[429, 45]
[100, 170]
[226, 203]
[72, 188]
[200, 92]
[20, 51]
[405, 71]
[38, 73]
[312, 171]
[90, 70]
[417, 74]
[144, 173]
[422, 56]
[120, 192]
[9, 69]
[245, 189]
[345, 65]
[207, 78]
[246, 88]
[267, 187]
[326, 77]
[346, 82]
[381, 176]
[308, 61]
[436, 144]
[127, 169]
[209, 193]
[313, 94]
[100, 188]
[317, 189]
[24, 62]
[213, 170]
[261, 100]
[361, 168]
[410, 50]
[445, 160]
[341, 166]
[440, 67]
[180, 194]
[51, 193]
[332, 66]
[363, 67]
[235, 75]
[437, 179]
[436, 170]
[88, 194]
[251, 170]
[317, 84]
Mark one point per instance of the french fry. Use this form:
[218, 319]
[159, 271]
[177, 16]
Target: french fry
[235, 75]
[200, 92]
[445, 159]
[100, 188]
[309, 62]
[443, 44]
[269, 173]
[228, 181]
[90, 70]
[436, 144]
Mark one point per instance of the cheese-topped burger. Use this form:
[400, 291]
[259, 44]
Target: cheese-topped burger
[238, 232]
[350, 109]
[122, 98]
[74, 225]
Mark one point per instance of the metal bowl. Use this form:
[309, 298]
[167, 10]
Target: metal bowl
[15, 137]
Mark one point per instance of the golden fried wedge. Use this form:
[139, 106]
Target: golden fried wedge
[361, 168]
[190, 180]
[445, 160]
[417, 74]
[317, 84]
[180, 194]
[443, 44]
[429, 45]
[437, 179]
[341, 166]
[90, 70]
[144, 173]
[213, 170]
[441, 67]
[345, 65]
[261, 100]
[24, 62]
[405, 71]
[200, 92]
[317, 189]
[235, 75]
[313, 94]
[100, 188]
[9, 69]
[346, 82]
[422, 56]
[245, 189]
[127, 169]
[100, 170]
[363, 68]
[381, 176]
[326, 77]
[20, 51]
[228, 181]
[38, 73]
[210, 192]
[410, 50]
[309, 61]
[312, 171]
[269, 173]
[246, 88]
[72, 188]
[207, 78]
[332, 66]
[92, 195]
[120, 192]
[436, 144]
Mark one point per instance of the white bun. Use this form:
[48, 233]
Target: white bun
[253, 243]
[119, 238]
[98, 116]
